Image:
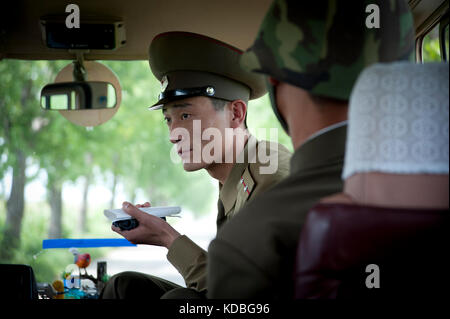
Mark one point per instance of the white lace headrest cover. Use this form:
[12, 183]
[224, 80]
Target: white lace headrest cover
[398, 120]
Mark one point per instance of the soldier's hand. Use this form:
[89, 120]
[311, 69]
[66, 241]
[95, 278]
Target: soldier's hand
[146, 204]
[152, 230]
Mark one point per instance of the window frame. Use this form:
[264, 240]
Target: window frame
[443, 24]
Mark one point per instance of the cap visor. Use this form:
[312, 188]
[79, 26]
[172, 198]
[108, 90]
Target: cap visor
[155, 107]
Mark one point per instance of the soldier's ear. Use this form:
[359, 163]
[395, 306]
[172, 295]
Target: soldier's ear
[238, 110]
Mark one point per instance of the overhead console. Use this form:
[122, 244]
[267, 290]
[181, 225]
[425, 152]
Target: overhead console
[98, 34]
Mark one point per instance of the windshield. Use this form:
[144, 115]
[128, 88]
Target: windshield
[56, 178]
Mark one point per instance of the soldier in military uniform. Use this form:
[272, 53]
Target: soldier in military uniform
[313, 52]
[201, 80]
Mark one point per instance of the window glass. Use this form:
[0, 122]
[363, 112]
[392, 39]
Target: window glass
[430, 46]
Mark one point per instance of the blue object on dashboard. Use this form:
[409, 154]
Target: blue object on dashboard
[84, 242]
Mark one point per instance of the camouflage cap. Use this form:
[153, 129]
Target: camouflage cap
[190, 64]
[323, 45]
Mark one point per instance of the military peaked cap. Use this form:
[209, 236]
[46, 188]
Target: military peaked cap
[189, 64]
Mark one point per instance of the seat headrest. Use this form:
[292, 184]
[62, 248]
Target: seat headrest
[399, 120]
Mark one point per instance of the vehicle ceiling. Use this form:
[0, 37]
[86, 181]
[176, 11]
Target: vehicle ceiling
[232, 21]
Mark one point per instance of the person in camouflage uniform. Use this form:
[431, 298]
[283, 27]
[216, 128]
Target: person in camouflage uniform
[312, 54]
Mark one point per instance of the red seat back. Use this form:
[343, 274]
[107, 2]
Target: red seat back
[338, 242]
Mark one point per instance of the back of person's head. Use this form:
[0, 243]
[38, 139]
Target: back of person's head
[322, 46]
[397, 151]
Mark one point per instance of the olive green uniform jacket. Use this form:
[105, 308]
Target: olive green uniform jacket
[243, 184]
[253, 255]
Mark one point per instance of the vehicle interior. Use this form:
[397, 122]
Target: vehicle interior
[75, 147]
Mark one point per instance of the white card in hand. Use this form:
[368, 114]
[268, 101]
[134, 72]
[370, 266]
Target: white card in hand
[162, 211]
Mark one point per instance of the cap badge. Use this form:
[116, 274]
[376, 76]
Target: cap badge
[210, 90]
[164, 83]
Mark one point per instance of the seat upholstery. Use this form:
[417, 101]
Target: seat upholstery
[339, 241]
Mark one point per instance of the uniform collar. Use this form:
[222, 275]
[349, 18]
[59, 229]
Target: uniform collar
[326, 129]
[227, 191]
[320, 150]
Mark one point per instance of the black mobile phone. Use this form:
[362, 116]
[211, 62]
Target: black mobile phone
[126, 224]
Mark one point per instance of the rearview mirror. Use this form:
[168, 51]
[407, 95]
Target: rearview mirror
[84, 95]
